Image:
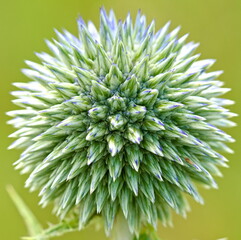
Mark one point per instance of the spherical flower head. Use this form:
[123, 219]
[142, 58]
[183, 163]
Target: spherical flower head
[120, 119]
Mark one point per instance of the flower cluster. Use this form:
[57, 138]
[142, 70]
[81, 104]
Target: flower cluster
[120, 119]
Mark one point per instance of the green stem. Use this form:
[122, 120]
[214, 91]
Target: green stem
[31, 222]
[121, 230]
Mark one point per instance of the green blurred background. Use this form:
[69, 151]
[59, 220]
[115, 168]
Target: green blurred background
[216, 24]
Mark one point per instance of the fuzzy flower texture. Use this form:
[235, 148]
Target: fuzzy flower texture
[120, 119]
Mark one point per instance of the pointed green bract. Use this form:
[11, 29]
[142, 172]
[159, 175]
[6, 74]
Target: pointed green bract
[120, 119]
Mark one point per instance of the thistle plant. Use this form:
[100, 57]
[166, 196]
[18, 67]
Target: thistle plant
[120, 122]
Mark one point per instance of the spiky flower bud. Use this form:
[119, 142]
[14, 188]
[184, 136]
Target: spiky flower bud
[124, 119]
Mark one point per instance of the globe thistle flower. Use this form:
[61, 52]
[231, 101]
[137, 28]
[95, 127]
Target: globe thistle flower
[120, 119]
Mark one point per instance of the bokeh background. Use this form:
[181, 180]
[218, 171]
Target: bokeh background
[216, 24]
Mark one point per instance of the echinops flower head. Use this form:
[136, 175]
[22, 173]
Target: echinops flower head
[120, 119]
